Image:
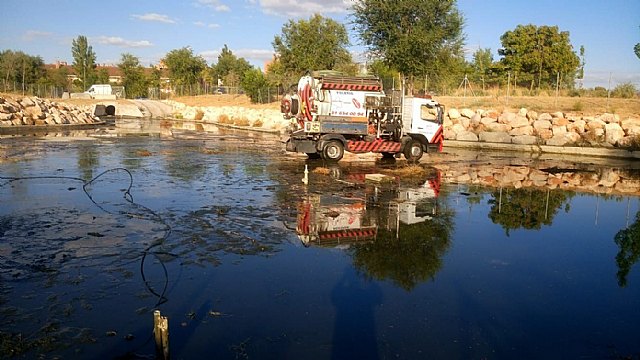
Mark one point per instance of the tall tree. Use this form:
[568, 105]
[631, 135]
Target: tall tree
[84, 61]
[539, 54]
[415, 37]
[134, 79]
[20, 67]
[184, 66]
[315, 44]
[229, 68]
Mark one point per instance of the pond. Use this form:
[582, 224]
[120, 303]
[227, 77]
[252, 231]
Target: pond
[217, 230]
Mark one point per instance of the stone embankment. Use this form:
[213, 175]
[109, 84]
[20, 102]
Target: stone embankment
[257, 119]
[603, 181]
[40, 112]
[527, 127]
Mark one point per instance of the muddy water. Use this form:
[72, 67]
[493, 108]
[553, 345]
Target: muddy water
[216, 229]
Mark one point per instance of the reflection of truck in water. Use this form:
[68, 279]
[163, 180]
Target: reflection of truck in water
[333, 113]
[331, 220]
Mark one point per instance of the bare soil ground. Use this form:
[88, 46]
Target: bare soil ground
[223, 100]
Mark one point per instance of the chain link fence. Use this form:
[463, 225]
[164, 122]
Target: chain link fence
[39, 90]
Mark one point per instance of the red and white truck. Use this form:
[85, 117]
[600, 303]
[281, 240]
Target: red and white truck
[332, 113]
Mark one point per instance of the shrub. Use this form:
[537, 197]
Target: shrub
[243, 121]
[224, 119]
[625, 91]
[199, 115]
[577, 106]
[258, 123]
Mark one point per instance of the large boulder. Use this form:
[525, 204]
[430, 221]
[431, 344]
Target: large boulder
[466, 136]
[519, 121]
[468, 113]
[559, 140]
[497, 127]
[495, 137]
[506, 117]
[453, 114]
[524, 140]
[545, 116]
[519, 131]
[613, 133]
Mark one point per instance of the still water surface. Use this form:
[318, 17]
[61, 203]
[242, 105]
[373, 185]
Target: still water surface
[218, 232]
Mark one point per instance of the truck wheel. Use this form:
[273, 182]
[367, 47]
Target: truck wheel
[333, 151]
[413, 150]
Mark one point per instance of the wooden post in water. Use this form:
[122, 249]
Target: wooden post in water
[161, 333]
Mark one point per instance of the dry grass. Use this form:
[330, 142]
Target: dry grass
[243, 121]
[258, 123]
[224, 119]
[321, 171]
[222, 100]
[143, 153]
[587, 106]
[199, 115]
[207, 151]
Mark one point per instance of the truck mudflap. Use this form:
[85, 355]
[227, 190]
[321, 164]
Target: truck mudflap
[378, 145]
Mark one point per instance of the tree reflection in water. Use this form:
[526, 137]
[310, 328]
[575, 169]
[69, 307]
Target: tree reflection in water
[411, 257]
[526, 208]
[629, 242]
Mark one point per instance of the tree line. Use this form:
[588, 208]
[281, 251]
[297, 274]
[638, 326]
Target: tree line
[419, 42]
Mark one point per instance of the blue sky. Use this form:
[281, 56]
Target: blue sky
[149, 29]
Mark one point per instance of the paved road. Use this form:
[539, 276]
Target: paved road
[153, 108]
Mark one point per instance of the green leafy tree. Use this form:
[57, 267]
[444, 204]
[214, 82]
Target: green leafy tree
[184, 66]
[229, 68]
[629, 242]
[84, 61]
[21, 68]
[387, 75]
[316, 44]
[102, 76]
[483, 66]
[133, 78]
[255, 85]
[59, 77]
[415, 37]
[537, 54]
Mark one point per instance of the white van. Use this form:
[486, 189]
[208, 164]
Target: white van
[100, 90]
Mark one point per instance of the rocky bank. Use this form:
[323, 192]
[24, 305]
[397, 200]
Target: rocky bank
[527, 127]
[33, 111]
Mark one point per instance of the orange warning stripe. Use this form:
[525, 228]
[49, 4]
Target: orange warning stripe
[349, 234]
[373, 146]
[357, 87]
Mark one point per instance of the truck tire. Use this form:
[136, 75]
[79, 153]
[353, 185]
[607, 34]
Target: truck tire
[413, 151]
[333, 151]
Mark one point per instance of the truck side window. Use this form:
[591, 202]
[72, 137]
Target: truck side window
[428, 113]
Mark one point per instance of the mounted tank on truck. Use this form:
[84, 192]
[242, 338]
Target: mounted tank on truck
[331, 114]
